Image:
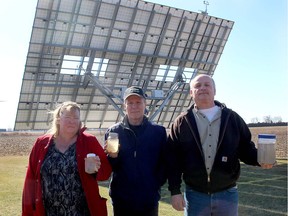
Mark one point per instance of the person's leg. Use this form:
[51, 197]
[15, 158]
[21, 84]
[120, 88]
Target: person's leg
[152, 212]
[119, 211]
[225, 203]
[197, 204]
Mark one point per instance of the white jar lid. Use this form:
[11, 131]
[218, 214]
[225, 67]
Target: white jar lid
[91, 155]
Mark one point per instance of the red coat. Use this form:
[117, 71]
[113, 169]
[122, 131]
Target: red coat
[32, 203]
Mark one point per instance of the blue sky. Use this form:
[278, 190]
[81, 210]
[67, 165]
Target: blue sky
[251, 77]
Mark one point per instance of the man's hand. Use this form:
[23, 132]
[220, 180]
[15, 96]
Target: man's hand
[111, 154]
[178, 202]
[267, 166]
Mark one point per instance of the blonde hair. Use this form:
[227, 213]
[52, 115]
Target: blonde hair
[67, 105]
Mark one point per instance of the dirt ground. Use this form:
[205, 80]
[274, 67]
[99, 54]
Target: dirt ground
[20, 143]
[281, 138]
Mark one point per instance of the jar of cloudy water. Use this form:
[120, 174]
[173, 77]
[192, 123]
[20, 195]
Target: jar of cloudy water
[266, 148]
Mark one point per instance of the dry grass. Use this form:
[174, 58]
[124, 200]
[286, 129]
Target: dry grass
[281, 138]
[20, 143]
[261, 192]
[12, 174]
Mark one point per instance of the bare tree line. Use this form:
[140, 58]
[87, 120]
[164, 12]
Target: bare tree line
[267, 119]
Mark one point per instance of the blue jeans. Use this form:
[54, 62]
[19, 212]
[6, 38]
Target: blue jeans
[224, 203]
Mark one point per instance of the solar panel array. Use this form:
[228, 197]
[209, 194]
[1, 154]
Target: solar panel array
[90, 51]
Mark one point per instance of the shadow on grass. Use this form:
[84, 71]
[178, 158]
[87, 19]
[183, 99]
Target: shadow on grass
[261, 192]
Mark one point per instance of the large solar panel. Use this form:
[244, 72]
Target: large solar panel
[90, 51]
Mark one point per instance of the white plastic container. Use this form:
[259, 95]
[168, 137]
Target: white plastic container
[266, 148]
[90, 166]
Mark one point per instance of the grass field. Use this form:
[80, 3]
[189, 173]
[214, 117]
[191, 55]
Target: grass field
[261, 192]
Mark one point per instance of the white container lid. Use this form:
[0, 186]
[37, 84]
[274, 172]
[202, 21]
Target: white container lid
[91, 155]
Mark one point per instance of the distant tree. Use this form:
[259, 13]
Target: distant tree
[267, 119]
[277, 119]
[254, 120]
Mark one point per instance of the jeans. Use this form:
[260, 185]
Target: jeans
[223, 203]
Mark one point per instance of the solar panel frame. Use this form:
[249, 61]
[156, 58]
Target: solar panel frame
[137, 38]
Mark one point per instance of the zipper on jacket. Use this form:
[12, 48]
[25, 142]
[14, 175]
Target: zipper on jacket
[127, 128]
[195, 137]
[224, 129]
[209, 186]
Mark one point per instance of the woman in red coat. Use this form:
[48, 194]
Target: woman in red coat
[56, 182]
